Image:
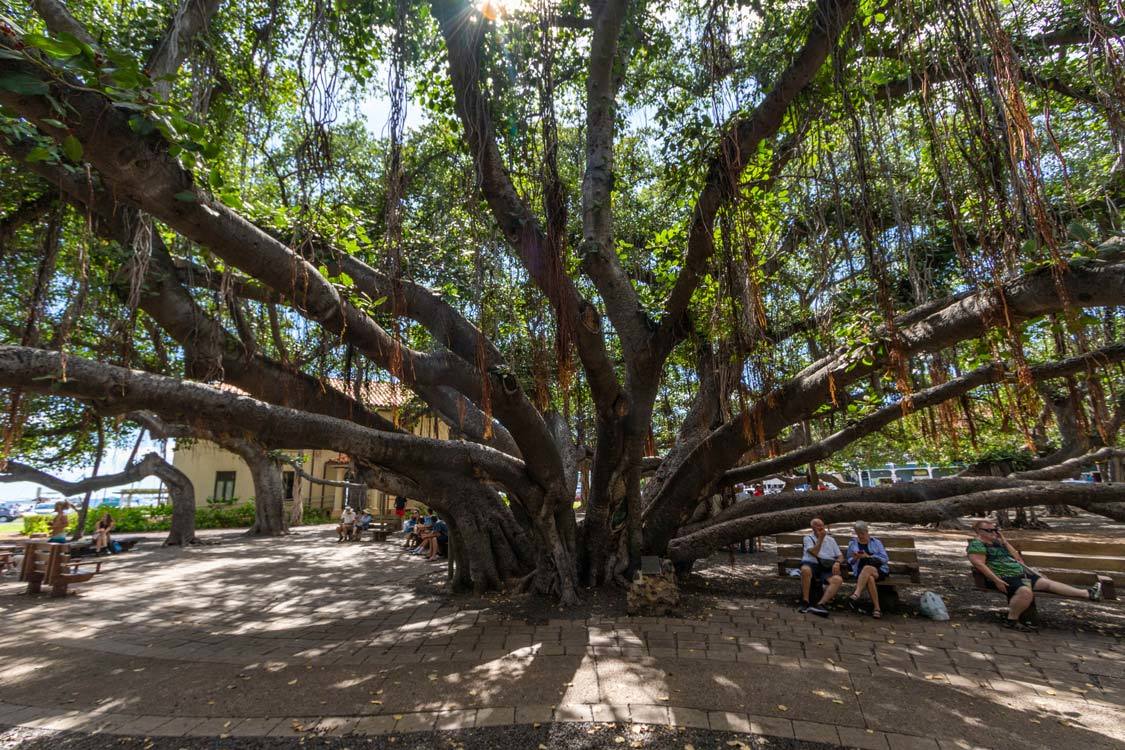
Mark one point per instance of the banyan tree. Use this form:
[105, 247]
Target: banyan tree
[633, 253]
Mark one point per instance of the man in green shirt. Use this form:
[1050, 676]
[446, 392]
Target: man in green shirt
[1001, 564]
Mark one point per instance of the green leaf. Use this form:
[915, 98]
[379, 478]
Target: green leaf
[22, 83]
[72, 148]
[126, 79]
[380, 301]
[40, 153]
[60, 48]
[187, 196]
[1079, 231]
[53, 122]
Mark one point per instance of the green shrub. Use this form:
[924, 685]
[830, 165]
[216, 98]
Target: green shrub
[132, 519]
[314, 516]
[35, 525]
[224, 517]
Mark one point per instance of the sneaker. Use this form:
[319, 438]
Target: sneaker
[819, 611]
[1095, 592]
[803, 607]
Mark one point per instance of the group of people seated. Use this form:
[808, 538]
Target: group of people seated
[103, 544]
[426, 536]
[353, 524]
[823, 562]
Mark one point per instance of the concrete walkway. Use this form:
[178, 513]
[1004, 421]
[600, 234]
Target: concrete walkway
[290, 636]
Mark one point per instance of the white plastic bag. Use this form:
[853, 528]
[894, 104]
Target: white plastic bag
[933, 607]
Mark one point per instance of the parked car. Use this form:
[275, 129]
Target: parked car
[42, 509]
[9, 512]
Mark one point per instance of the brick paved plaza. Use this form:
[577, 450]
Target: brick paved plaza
[286, 637]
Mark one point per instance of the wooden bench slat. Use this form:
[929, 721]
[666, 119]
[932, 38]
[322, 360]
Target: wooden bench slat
[888, 541]
[1074, 562]
[1100, 549]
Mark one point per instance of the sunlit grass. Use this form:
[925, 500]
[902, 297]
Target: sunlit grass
[12, 527]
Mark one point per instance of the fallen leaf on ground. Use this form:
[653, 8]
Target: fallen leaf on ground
[782, 707]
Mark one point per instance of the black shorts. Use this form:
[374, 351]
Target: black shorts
[820, 571]
[1014, 583]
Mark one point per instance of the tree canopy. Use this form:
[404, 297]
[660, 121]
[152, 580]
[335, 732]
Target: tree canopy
[635, 250]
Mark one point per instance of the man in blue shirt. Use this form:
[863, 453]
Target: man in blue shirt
[870, 564]
[409, 530]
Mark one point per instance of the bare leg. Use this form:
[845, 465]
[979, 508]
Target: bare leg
[861, 583]
[830, 592]
[1020, 602]
[873, 588]
[1045, 584]
[806, 582]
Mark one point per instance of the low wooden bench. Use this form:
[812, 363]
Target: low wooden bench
[1074, 563]
[49, 564]
[380, 531]
[903, 564]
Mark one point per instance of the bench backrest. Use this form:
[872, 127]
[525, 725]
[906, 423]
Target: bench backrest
[45, 558]
[903, 556]
[1087, 556]
[899, 549]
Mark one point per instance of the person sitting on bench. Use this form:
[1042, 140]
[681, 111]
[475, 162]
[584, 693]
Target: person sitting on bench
[101, 534]
[409, 530]
[59, 522]
[1004, 570]
[439, 542]
[347, 524]
[870, 564]
[365, 520]
[822, 560]
[425, 532]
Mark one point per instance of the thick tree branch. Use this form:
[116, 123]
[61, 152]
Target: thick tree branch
[192, 17]
[141, 171]
[118, 390]
[922, 399]
[1107, 500]
[1072, 466]
[738, 146]
[463, 33]
[19, 472]
[599, 256]
[1087, 284]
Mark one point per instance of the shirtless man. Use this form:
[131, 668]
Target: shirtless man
[59, 521]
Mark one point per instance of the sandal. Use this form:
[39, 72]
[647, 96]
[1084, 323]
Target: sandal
[877, 614]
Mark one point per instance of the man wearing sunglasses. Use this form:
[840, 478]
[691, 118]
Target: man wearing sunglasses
[1001, 564]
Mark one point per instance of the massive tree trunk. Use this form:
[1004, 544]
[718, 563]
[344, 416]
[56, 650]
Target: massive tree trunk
[182, 493]
[269, 490]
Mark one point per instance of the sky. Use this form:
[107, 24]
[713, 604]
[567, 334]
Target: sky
[113, 462]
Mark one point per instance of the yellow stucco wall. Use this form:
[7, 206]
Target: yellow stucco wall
[201, 460]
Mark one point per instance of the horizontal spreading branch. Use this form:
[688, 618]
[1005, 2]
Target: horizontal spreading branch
[120, 390]
[1073, 466]
[142, 172]
[932, 396]
[1086, 284]
[15, 471]
[1107, 500]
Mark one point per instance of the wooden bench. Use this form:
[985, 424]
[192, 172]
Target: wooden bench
[49, 564]
[903, 564]
[1079, 564]
[380, 531]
